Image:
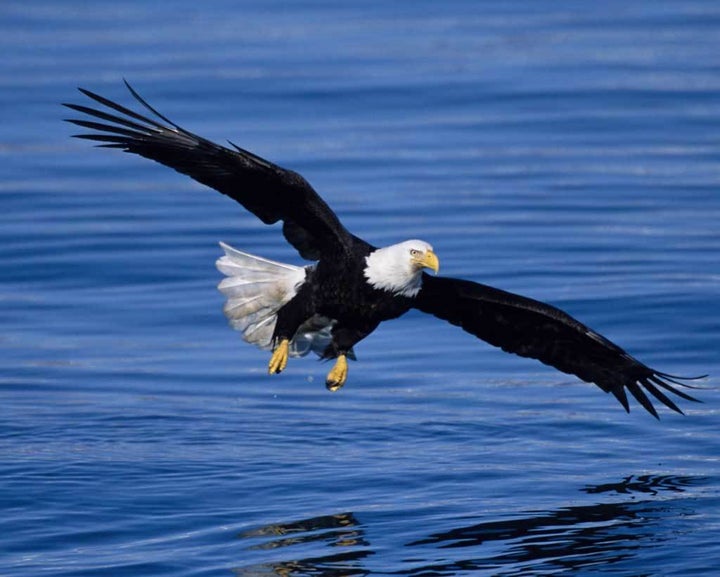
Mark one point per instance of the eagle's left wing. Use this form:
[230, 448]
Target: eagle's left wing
[530, 328]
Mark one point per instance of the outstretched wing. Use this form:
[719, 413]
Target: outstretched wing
[530, 328]
[270, 192]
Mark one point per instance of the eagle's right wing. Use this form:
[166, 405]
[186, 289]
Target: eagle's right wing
[269, 191]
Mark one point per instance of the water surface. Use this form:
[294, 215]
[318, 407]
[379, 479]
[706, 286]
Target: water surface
[567, 151]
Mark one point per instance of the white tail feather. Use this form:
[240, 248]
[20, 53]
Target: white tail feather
[256, 289]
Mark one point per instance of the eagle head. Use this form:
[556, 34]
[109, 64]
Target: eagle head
[398, 268]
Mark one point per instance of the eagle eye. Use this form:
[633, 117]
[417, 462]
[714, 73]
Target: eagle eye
[414, 252]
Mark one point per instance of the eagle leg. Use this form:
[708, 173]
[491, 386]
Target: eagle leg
[338, 374]
[279, 358]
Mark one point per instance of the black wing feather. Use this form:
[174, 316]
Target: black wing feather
[530, 328]
[269, 191]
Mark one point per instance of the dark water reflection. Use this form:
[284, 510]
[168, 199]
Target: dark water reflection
[568, 538]
[342, 531]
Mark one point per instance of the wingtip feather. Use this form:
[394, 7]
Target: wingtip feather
[682, 381]
[660, 396]
[619, 394]
[637, 392]
[657, 378]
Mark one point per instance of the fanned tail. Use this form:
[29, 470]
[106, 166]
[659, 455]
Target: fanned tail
[256, 289]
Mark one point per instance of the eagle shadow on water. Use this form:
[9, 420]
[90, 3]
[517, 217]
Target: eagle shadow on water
[352, 286]
[612, 531]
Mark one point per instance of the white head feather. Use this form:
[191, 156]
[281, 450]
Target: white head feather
[398, 268]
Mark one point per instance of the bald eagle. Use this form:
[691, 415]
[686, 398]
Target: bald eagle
[353, 286]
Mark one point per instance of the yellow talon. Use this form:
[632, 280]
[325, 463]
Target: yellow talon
[338, 374]
[279, 358]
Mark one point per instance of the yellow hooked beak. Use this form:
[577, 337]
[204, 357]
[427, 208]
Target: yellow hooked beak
[429, 260]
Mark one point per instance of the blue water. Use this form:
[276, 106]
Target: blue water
[567, 151]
